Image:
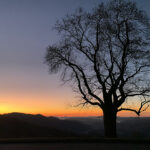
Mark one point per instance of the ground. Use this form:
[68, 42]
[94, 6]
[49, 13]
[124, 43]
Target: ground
[75, 146]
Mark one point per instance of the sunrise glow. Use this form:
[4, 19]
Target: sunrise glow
[25, 83]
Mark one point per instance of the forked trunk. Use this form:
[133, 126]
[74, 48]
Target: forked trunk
[109, 118]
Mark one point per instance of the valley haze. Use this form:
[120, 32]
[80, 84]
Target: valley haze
[20, 125]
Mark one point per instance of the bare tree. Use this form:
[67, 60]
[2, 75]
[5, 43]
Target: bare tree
[105, 55]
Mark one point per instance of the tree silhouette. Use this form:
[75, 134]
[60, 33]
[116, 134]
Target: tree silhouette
[105, 55]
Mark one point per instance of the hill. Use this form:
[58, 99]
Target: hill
[138, 127]
[15, 125]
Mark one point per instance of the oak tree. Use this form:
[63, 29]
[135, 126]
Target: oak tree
[105, 54]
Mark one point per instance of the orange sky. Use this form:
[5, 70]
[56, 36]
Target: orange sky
[37, 96]
[25, 83]
[50, 106]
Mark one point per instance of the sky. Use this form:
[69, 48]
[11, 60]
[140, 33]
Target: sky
[25, 33]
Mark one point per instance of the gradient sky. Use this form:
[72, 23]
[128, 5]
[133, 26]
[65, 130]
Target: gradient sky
[25, 33]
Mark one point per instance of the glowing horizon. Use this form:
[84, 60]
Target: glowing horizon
[25, 33]
[62, 112]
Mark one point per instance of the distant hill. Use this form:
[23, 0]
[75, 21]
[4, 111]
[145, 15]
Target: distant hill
[16, 125]
[27, 125]
[138, 127]
[134, 126]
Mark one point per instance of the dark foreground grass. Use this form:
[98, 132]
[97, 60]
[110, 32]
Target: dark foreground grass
[75, 140]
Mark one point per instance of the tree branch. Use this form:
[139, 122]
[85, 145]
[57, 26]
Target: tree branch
[139, 111]
[82, 92]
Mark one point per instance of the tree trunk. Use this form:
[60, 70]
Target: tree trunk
[109, 117]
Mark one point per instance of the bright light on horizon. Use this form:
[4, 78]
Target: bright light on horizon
[72, 112]
[25, 33]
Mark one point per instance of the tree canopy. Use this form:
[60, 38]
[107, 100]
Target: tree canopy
[105, 54]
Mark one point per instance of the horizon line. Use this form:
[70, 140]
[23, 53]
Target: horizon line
[69, 116]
